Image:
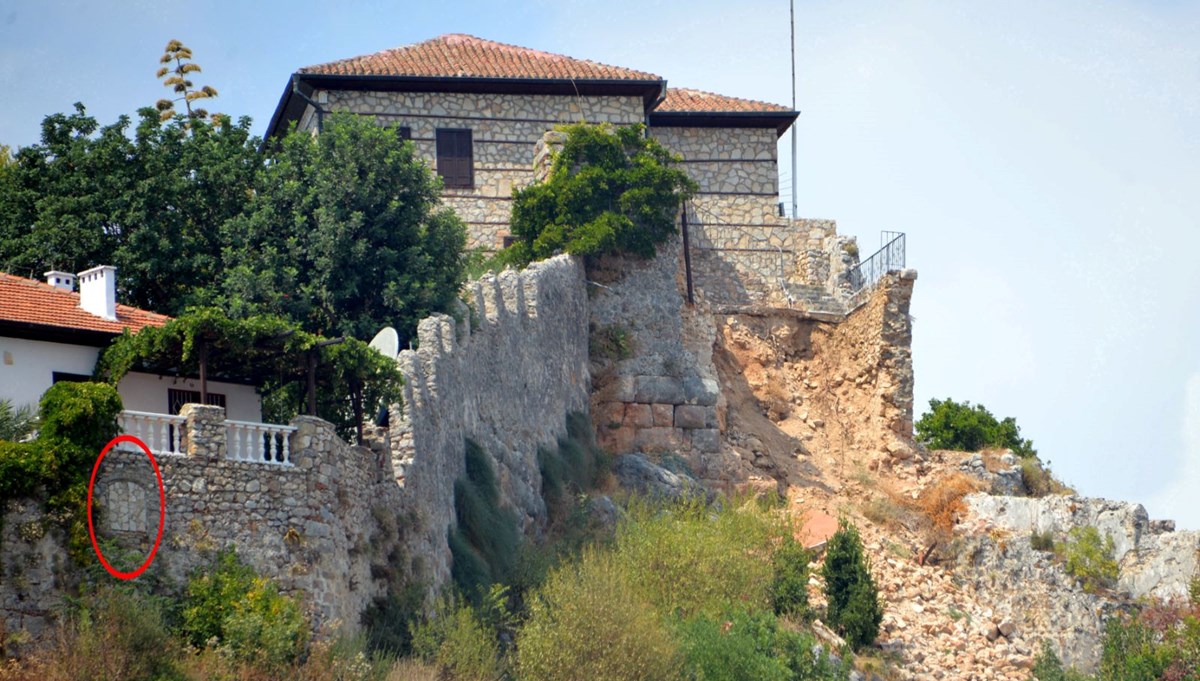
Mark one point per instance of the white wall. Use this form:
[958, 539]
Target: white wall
[148, 392]
[27, 367]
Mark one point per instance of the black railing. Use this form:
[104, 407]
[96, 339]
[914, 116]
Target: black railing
[889, 258]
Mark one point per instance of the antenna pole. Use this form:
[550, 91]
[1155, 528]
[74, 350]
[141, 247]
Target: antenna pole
[792, 16]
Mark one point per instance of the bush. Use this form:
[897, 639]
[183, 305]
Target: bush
[1041, 541]
[484, 546]
[1048, 667]
[739, 646]
[789, 587]
[388, 621]
[1039, 481]
[81, 415]
[954, 425]
[458, 640]
[586, 623]
[1089, 558]
[609, 191]
[228, 605]
[15, 422]
[113, 634]
[576, 466]
[853, 609]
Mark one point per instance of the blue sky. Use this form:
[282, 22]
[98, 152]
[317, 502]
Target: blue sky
[1044, 159]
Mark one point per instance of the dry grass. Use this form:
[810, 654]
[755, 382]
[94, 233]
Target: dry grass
[943, 503]
[410, 669]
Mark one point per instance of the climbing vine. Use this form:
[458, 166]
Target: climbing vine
[609, 191]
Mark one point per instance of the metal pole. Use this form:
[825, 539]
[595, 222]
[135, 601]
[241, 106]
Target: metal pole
[687, 258]
[792, 15]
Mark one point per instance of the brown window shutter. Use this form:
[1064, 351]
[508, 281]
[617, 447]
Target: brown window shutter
[455, 161]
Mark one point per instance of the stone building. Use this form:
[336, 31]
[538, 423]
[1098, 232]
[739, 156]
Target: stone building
[476, 110]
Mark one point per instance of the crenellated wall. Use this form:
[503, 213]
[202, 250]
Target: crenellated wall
[506, 376]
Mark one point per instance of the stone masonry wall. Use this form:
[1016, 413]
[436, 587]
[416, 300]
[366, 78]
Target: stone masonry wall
[322, 528]
[506, 376]
[504, 129]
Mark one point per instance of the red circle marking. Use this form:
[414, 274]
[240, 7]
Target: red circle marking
[162, 507]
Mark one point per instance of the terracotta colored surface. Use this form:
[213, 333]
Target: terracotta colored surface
[33, 302]
[683, 99]
[464, 56]
[816, 528]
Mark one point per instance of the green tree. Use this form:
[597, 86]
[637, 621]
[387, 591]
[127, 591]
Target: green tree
[961, 426]
[609, 191]
[176, 78]
[853, 609]
[151, 205]
[345, 234]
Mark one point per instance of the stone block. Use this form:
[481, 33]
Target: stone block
[664, 414]
[702, 391]
[706, 439]
[657, 439]
[638, 416]
[616, 440]
[694, 416]
[658, 389]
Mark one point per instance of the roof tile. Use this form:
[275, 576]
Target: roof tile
[32, 302]
[457, 55]
[684, 100]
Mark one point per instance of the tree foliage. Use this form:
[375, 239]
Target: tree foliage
[177, 78]
[961, 426]
[609, 191]
[344, 235]
[352, 379]
[854, 609]
[151, 205]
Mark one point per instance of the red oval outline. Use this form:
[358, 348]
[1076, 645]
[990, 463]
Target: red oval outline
[162, 507]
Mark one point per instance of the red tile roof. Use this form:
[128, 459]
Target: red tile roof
[463, 56]
[28, 301]
[686, 100]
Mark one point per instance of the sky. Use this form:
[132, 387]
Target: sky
[1043, 159]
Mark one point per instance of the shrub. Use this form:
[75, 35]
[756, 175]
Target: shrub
[1039, 481]
[609, 191]
[484, 546]
[740, 645]
[114, 633]
[1089, 558]
[1048, 667]
[15, 422]
[459, 641]
[586, 623]
[227, 604]
[689, 559]
[388, 621]
[80, 415]
[576, 466]
[1041, 541]
[853, 609]
[954, 425]
[789, 587]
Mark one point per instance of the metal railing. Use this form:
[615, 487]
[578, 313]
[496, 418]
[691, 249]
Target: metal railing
[889, 258]
[258, 442]
[160, 432]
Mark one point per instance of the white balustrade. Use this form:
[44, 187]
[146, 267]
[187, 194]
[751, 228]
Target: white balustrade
[160, 432]
[258, 442]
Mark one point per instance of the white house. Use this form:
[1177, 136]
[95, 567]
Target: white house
[50, 333]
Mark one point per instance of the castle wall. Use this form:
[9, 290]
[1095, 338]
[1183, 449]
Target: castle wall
[506, 376]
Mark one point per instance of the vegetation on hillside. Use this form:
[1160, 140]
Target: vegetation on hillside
[961, 426]
[610, 190]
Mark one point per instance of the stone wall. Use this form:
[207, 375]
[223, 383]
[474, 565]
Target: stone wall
[324, 528]
[506, 376]
[504, 129]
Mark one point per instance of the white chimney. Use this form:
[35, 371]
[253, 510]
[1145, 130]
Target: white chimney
[98, 291]
[62, 280]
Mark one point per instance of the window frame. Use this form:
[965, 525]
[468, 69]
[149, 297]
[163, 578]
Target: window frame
[456, 170]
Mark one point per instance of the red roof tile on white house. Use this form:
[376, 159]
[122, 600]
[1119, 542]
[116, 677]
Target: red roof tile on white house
[26, 301]
[456, 55]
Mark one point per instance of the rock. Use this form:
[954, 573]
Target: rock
[603, 512]
[1007, 628]
[693, 416]
[991, 632]
[635, 472]
[899, 450]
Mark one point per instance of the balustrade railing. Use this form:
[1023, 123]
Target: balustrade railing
[889, 258]
[160, 432]
[258, 442]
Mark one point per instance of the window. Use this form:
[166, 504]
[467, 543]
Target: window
[405, 132]
[62, 376]
[177, 398]
[454, 162]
